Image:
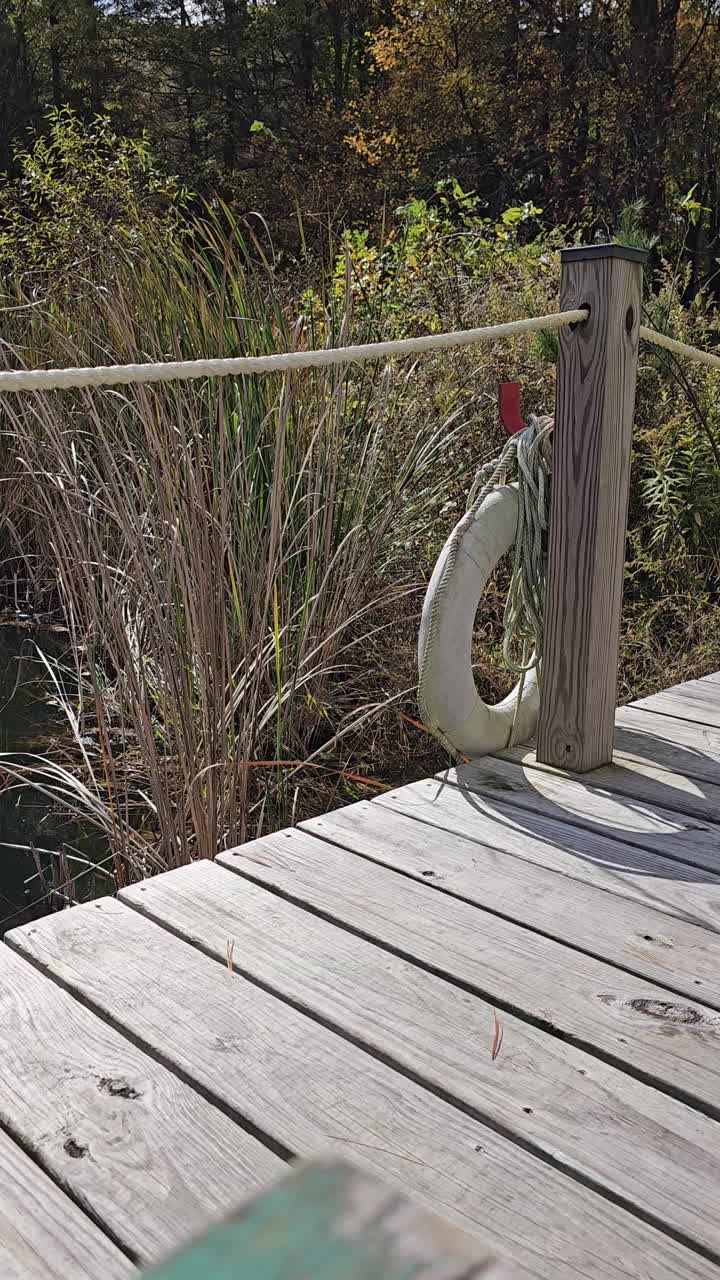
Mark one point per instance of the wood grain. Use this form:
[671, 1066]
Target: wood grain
[697, 700]
[668, 1039]
[143, 1152]
[692, 804]
[677, 745]
[313, 1090]
[490, 817]
[652, 1150]
[674, 953]
[709, 684]
[43, 1234]
[596, 802]
[330, 1221]
[695, 709]
[590, 485]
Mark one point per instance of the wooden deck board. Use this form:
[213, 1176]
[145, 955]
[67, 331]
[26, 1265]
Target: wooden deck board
[602, 802]
[692, 708]
[43, 1234]
[488, 819]
[541, 1088]
[676, 745]
[627, 1019]
[500, 990]
[143, 1152]
[644, 786]
[665, 761]
[633, 935]
[310, 1087]
[697, 700]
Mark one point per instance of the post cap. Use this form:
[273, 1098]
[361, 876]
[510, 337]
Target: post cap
[584, 253]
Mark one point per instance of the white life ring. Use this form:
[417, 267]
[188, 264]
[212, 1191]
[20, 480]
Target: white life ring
[448, 694]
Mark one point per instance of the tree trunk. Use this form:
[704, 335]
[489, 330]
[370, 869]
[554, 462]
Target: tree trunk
[307, 53]
[235, 125]
[94, 71]
[185, 25]
[55, 70]
[336, 26]
[17, 104]
[653, 33]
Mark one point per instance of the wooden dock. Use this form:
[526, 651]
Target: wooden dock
[499, 989]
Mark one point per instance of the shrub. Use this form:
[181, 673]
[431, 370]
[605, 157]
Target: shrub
[83, 191]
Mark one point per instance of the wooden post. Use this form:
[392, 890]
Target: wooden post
[591, 473]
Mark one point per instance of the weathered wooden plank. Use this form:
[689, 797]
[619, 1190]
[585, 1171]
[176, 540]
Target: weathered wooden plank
[491, 818]
[685, 703]
[700, 682]
[309, 1088]
[143, 1152]
[659, 759]
[645, 784]
[707, 687]
[591, 480]
[692, 750]
[330, 1221]
[695, 710]
[635, 1023]
[648, 1148]
[674, 953]
[584, 801]
[43, 1234]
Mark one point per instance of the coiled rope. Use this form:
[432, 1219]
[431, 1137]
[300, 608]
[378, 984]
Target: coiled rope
[526, 457]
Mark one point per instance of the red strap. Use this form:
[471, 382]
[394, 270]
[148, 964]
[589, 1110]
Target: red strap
[509, 407]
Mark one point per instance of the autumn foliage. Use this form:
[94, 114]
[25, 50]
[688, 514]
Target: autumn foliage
[334, 109]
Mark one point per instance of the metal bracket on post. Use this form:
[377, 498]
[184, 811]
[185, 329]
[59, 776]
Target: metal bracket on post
[597, 368]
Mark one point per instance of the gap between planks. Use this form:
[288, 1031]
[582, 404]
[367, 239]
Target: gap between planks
[139, 1150]
[606, 802]
[495, 819]
[681, 955]
[44, 1235]
[296, 1077]
[627, 1021]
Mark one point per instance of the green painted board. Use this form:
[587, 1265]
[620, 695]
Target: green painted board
[329, 1221]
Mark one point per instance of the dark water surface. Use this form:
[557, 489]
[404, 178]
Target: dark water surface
[28, 723]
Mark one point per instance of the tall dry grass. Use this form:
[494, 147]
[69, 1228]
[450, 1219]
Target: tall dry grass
[240, 563]
[216, 548]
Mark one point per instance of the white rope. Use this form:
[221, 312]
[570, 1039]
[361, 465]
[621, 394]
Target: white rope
[680, 348]
[114, 375]
[182, 370]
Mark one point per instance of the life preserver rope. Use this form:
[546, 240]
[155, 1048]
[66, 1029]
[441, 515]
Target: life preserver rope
[500, 514]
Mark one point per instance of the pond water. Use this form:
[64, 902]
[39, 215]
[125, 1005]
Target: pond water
[29, 723]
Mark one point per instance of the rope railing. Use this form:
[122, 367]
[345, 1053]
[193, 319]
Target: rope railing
[115, 375]
[680, 348]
